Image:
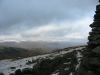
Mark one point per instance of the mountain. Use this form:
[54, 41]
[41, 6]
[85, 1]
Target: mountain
[40, 44]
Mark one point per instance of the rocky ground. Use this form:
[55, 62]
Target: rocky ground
[62, 62]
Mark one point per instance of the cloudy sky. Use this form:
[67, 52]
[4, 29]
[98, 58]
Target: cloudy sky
[46, 20]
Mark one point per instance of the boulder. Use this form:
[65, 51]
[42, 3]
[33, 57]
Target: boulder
[18, 72]
[97, 16]
[94, 33]
[96, 29]
[1, 74]
[27, 71]
[96, 23]
[94, 38]
[95, 43]
[91, 63]
[96, 50]
[95, 62]
[98, 7]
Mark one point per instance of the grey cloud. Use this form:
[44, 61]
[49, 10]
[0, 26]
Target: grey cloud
[20, 15]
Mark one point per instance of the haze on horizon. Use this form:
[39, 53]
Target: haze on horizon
[46, 20]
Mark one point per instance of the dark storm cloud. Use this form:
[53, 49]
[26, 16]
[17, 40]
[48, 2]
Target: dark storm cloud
[20, 15]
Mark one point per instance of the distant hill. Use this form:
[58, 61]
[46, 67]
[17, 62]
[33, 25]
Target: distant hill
[40, 44]
[16, 53]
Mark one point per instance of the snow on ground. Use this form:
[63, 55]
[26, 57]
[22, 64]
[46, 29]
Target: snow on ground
[71, 73]
[55, 74]
[79, 56]
[6, 65]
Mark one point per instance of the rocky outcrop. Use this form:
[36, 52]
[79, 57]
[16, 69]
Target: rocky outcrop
[1, 74]
[90, 64]
[64, 64]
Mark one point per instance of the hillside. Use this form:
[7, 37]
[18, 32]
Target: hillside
[16, 53]
[40, 44]
[63, 62]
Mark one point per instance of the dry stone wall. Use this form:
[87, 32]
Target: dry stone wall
[90, 64]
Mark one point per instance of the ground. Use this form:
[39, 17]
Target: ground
[62, 62]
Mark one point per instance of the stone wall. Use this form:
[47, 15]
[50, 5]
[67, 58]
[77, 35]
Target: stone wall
[90, 64]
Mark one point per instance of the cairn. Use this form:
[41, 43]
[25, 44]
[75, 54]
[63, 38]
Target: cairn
[90, 64]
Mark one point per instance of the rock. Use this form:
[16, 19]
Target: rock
[94, 62]
[83, 71]
[98, 70]
[92, 44]
[98, 7]
[95, 43]
[96, 50]
[96, 29]
[94, 33]
[1, 74]
[11, 74]
[27, 71]
[18, 72]
[95, 24]
[97, 16]
[90, 64]
[12, 67]
[90, 73]
[94, 38]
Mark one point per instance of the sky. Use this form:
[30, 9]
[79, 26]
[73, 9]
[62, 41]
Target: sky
[46, 20]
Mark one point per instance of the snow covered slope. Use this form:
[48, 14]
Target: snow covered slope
[9, 66]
